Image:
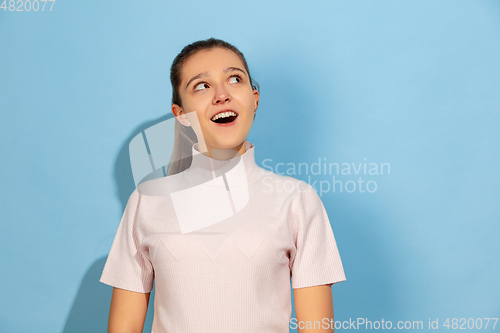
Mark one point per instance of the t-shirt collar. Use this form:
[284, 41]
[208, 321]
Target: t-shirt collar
[236, 171]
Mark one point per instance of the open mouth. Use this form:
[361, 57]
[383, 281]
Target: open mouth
[225, 117]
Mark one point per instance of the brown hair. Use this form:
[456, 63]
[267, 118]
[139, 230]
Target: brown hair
[185, 136]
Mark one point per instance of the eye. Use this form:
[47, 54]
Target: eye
[235, 78]
[201, 86]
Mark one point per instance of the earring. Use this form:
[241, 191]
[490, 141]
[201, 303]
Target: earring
[189, 123]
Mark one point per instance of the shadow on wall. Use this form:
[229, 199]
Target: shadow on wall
[90, 309]
[124, 179]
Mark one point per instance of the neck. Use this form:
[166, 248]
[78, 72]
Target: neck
[222, 154]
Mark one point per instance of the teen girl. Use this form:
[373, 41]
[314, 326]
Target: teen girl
[223, 245]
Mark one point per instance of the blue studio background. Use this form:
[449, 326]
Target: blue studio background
[411, 88]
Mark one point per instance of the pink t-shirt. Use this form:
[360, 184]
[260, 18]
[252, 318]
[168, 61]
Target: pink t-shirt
[232, 273]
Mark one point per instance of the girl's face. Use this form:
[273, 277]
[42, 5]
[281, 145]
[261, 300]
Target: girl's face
[215, 81]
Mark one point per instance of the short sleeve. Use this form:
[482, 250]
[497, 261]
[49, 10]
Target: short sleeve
[127, 267]
[317, 259]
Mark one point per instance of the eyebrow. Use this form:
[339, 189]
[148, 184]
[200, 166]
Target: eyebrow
[202, 74]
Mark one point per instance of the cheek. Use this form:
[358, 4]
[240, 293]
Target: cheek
[198, 103]
[247, 101]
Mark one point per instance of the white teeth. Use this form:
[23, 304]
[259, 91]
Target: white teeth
[223, 115]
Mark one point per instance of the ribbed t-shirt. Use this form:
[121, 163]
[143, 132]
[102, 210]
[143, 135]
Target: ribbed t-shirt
[223, 241]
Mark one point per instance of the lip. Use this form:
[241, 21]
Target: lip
[225, 124]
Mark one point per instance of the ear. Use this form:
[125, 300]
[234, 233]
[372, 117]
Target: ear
[180, 115]
[256, 99]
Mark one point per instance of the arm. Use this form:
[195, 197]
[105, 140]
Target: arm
[313, 304]
[128, 311]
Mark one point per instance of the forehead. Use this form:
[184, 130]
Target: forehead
[213, 61]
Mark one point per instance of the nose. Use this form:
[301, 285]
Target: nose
[221, 96]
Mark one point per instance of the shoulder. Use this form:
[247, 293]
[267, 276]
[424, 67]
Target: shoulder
[302, 194]
[281, 183]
